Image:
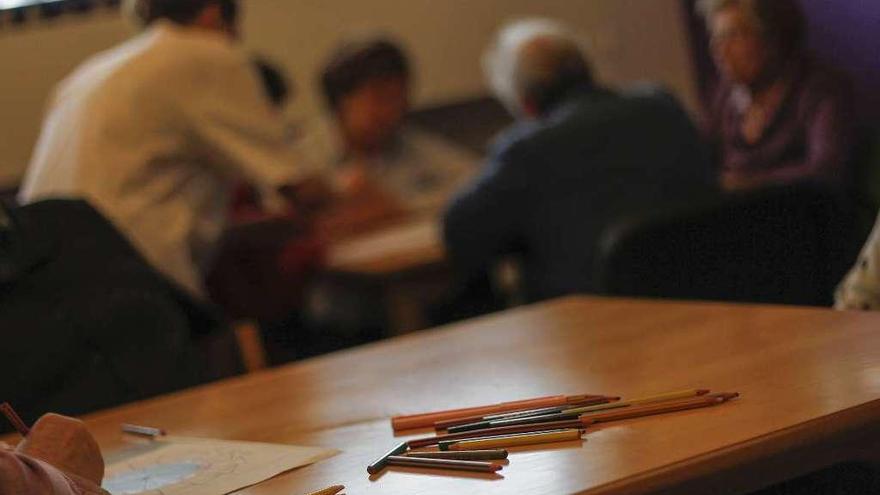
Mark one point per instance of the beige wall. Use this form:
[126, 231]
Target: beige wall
[632, 40]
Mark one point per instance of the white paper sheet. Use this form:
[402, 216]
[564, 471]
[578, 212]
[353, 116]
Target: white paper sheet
[190, 466]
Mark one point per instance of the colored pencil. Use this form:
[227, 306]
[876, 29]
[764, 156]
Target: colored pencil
[501, 431]
[144, 431]
[425, 420]
[333, 490]
[476, 466]
[655, 409]
[470, 455]
[582, 421]
[485, 425]
[538, 412]
[683, 394]
[514, 440]
[380, 463]
[594, 401]
[575, 413]
[14, 419]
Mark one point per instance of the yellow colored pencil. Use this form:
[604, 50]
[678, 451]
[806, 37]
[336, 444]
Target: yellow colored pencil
[517, 440]
[333, 490]
[682, 394]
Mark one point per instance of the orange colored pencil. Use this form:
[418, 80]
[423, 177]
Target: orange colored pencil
[583, 421]
[425, 420]
[333, 490]
[655, 409]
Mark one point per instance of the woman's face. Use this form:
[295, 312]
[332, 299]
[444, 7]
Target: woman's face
[738, 46]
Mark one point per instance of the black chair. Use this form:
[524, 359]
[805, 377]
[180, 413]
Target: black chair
[87, 324]
[7, 195]
[866, 179]
[785, 246]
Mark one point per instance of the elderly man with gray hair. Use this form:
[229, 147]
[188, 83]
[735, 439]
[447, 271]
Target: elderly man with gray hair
[580, 157]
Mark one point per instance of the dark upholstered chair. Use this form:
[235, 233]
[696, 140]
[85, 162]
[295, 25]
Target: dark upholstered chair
[86, 323]
[788, 246]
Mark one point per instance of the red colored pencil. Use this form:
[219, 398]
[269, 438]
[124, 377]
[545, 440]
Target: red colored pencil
[14, 419]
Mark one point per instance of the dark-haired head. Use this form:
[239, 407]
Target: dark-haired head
[218, 14]
[366, 85]
[353, 64]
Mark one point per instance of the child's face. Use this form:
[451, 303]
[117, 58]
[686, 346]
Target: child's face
[373, 113]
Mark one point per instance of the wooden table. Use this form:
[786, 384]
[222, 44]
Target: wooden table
[810, 381]
[405, 264]
[400, 248]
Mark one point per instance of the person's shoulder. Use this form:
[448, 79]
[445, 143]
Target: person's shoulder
[516, 138]
[180, 52]
[99, 62]
[168, 55]
[652, 94]
[647, 90]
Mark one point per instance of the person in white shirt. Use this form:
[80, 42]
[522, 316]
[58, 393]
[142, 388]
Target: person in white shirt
[376, 162]
[155, 132]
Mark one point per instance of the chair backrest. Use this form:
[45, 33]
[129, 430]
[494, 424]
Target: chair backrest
[17, 257]
[472, 123]
[784, 246]
[86, 323]
[7, 245]
[866, 178]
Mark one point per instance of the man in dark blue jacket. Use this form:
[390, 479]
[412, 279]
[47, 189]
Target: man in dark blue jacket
[581, 157]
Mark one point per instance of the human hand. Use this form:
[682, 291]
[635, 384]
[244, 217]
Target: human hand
[371, 208]
[309, 195]
[353, 182]
[66, 444]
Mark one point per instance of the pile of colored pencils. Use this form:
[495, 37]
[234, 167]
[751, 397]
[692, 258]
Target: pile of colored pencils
[474, 439]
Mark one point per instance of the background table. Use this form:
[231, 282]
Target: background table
[399, 248]
[810, 381]
[405, 264]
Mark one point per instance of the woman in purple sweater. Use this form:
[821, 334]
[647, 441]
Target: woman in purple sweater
[777, 117]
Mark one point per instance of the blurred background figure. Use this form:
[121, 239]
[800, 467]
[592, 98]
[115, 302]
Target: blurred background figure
[246, 201]
[581, 157]
[380, 167]
[778, 116]
[154, 132]
[58, 457]
[124, 202]
[266, 259]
